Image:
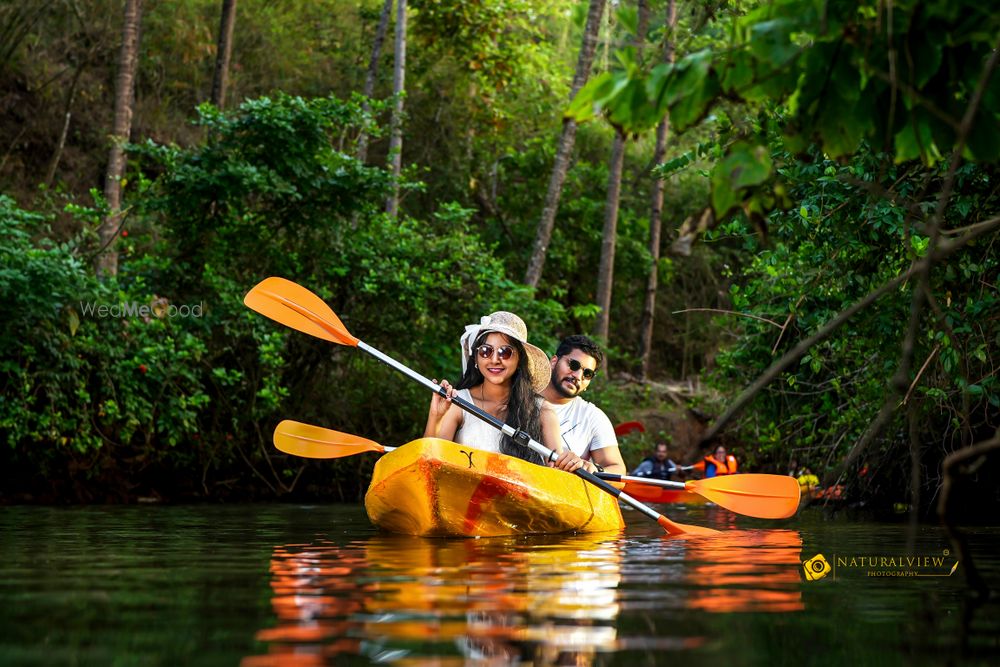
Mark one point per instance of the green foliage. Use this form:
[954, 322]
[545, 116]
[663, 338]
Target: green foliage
[111, 377]
[492, 39]
[76, 381]
[856, 73]
[838, 114]
[841, 243]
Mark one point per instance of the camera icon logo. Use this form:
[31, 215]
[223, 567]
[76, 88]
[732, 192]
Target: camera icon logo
[816, 567]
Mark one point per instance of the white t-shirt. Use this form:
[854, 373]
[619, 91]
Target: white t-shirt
[584, 427]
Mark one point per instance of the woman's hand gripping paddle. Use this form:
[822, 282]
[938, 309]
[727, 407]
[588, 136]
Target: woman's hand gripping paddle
[296, 307]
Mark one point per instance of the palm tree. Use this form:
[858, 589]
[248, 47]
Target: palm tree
[565, 149]
[656, 217]
[369, 90]
[128, 62]
[223, 52]
[396, 124]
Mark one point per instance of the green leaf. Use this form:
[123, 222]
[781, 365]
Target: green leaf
[914, 142]
[926, 61]
[738, 73]
[745, 165]
[689, 91]
[74, 320]
[593, 95]
[984, 139]
[771, 41]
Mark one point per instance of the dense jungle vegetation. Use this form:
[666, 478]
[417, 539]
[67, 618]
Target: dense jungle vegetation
[827, 272]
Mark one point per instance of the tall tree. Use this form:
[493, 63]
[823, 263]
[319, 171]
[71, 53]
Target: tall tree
[609, 236]
[369, 90]
[223, 53]
[656, 215]
[396, 125]
[128, 61]
[584, 62]
[50, 173]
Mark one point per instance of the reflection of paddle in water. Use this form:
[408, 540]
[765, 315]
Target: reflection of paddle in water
[746, 570]
[313, 599]
[395, 598]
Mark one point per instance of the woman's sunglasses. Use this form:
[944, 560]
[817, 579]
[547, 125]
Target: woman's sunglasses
[486, 351]
[574, 365]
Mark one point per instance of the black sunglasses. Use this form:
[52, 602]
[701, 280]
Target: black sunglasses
[486, 350]
[588, 373]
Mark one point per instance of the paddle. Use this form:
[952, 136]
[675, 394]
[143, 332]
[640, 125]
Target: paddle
[298, 308]
[752, 494]
[756, 495]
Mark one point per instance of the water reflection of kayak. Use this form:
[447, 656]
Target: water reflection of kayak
[400, 599]
[432, 487]
[500, 600]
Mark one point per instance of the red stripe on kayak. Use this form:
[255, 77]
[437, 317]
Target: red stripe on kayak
[490, 487]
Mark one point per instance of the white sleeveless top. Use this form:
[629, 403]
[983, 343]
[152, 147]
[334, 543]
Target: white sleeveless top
[474, 432]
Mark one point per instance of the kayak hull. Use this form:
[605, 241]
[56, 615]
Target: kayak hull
[436, 488]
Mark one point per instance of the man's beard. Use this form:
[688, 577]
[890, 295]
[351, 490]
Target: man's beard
[561, 388]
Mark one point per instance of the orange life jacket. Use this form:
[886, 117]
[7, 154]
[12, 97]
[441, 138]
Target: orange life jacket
[713, 467]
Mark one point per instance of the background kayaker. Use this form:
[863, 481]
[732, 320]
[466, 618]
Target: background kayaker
[657, 466]
[808, 482]
[503, 374]
[586, 431]
[717, 463]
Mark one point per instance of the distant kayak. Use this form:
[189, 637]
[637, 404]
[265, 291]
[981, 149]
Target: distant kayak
[436, 488]
[654, 494]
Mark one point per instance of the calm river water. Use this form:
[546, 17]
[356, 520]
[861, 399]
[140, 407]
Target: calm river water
[292, 585]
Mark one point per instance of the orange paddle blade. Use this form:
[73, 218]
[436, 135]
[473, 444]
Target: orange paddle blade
[296, 307]
[762, 496]
[674, 528]
[314, 442]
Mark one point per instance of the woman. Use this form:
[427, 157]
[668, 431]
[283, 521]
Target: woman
[502, 374]
[717, 463]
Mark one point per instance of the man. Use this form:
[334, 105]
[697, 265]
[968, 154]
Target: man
[657, 466]
[586, 431]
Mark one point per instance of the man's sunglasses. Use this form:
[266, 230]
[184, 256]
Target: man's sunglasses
[486, 350]
[588, 373]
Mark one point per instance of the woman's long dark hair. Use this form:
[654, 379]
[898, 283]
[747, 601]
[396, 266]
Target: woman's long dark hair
[523, 410]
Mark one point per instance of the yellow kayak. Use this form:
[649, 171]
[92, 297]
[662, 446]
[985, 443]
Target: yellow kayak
[436, 488]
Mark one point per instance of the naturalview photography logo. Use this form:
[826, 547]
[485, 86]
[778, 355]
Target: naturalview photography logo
[818, 566]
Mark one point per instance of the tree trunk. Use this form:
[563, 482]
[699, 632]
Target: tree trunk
[606, 269]
[396, 126]
[50, 173]
[655, 218]
[383, 25]
[128, 61]
[561, 165]
[223, 52]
